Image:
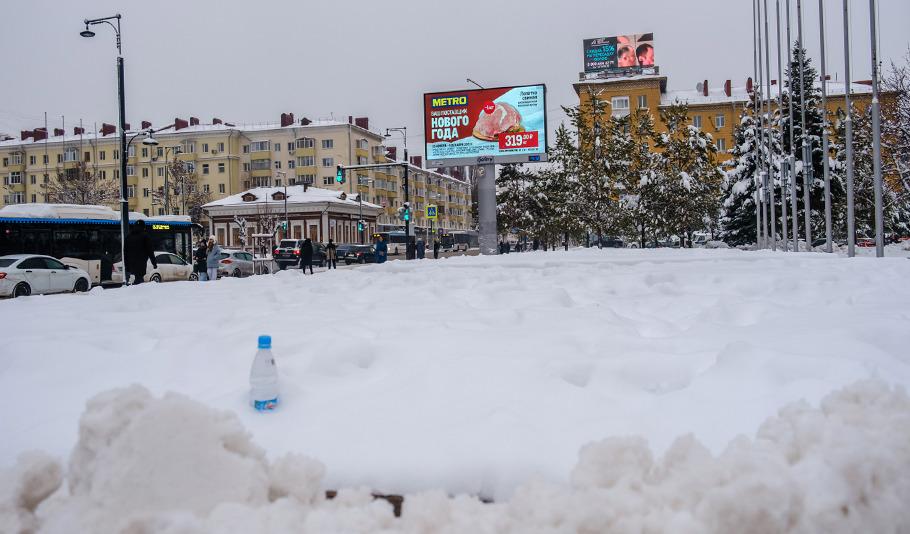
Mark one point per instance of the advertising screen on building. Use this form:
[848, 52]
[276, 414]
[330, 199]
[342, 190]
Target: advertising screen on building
[482, 126]
[619, 53]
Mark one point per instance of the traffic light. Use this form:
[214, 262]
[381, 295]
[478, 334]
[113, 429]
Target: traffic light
[406, 215]
[360, 226]
[339, 175]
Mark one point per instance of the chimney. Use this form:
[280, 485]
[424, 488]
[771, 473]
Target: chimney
[26, 134]
[39, 134]
[107, 129]
[704, 89]
[350, 119]
[287, 119]
[78, 130]
[362, 122]
[864, 82]
[749, 87]
[773, 82]
[216, 120]
[179, 124]
[58, 132]
[417, 161]
[194, 121]
[728, 88]
[392, 153]
[146, 125]
[127, 126]
[305, 121]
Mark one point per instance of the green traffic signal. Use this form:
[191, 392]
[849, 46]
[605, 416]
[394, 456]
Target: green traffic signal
[339, 176]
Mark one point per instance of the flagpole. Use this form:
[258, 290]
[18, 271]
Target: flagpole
[848, 126]
[825, 153]
[876, 140]
[770, 156]
[783, 164]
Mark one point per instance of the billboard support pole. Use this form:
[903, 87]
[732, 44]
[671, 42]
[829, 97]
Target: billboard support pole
[486, 206]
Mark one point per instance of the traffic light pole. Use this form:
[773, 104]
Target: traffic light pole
[407, 202]
[340, 177]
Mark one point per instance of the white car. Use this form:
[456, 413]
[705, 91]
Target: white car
[171, 268]
[31, 274]
[236, 263]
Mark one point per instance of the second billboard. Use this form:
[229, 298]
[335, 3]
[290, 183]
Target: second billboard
[620, 52]
[482, 126]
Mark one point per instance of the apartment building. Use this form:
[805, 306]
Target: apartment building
[227, 159]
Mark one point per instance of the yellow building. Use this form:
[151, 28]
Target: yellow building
[228, 159]
[716, 110]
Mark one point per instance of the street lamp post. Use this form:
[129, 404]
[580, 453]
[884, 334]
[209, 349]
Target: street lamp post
[124, 205]
[407, 223]
[287, 222]
[167, 192]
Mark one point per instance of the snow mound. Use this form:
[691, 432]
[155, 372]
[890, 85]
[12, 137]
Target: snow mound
[172, 465]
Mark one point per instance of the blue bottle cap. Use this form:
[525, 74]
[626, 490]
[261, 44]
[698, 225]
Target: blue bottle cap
[265, 342]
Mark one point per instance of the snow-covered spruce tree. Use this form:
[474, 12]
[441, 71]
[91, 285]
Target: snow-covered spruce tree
[638, 186]
[556, 192]
[894, 210]
[688, 178]
[810, 93]
[896, 131]
[512, 186]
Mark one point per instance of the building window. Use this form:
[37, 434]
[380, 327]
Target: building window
[696, 121]
[17, 159]
[221, 167]
[145, 152]
[145, 192]
[220, 147]
[642, 101]
[290, 147]
[277, 147]
[259, 165]
[620, 106]
[45, 158]
[34, 198]
[306, 142]
[205, 168]
[160, 172]
[206, 188]
[277, 182]
[116, 174]
[145, 212]
[103, 174]
[188, 147]
[719, 121]
[32, 160]
[116, 154]
[291, 164]
[307, 178]
[189, 166]
[130, 170]
[70, 154]
[277, 164]
[131, 151]
[328, 162]
[205, 148]
[246, 167]
[306, 161]
[246, 149]
[328, 143]
[145, 172]
[260, 146]
[722, 144]
[32, 179]
[14, 198]
[327, 180]
[14, 178]
[221, 188]
[159, 152]
[131, 191]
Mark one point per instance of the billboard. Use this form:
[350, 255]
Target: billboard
[483, 126]
[619, 53]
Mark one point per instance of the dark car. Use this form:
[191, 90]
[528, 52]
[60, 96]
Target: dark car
[609, 242]
[287, 253]
[359, 254]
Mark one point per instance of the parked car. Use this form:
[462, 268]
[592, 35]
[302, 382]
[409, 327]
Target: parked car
[287, 253]
[28, 274]
[235, 263]
[171, 268]
[359, 254]
[865, 242]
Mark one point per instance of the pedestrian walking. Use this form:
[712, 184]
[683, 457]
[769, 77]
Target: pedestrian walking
[421, 249]
[139, 252]
[435, 249]
[212, 259]
[199, 261]
[382, 250]
[331, 256]
[306, 256]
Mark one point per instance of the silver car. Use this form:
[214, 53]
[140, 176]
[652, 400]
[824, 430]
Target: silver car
[235, 263]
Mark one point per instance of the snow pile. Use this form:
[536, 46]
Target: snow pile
[171, 465]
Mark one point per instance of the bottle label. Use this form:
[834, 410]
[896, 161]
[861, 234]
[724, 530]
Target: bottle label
[266, 405]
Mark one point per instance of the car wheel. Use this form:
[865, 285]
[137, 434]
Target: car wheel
[22, 290]
[266, 270]
[155, 278]
[81, 286]
[282, 266]
[194, 277]
[236, 273]
[363, 260]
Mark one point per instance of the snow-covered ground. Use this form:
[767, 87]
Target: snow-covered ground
[479, 375]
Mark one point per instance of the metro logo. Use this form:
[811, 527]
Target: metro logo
[449, 101]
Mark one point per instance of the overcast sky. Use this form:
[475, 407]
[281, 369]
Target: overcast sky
[249, 61]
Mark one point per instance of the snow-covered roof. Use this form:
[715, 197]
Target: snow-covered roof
[296, 195]
[739, 94]
[76, 211]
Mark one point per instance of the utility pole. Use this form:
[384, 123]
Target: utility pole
[876, 141]
[783, 163]
[806, 140]
[758, 226]
[821, 18]
[770, 156]
[848, 127]
[765, 142]
[792, 164]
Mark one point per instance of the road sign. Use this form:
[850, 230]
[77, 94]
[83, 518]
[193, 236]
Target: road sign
[432, 212]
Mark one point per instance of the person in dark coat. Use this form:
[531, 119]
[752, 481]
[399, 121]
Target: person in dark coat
[436, 249]
[382, 250]
[331, 255]
[199, 261]
[306, 256]
[420, 249]
[139, 252]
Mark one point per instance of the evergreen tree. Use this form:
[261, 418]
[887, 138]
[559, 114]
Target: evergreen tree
[738, 210]
[639, 184]
[689, 181]
[512, 186]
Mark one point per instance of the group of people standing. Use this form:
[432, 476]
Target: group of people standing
[206, 259]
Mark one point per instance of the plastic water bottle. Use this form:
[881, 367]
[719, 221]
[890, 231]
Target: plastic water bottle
[264, 377]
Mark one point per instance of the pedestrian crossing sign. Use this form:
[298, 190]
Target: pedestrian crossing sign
[431, 212]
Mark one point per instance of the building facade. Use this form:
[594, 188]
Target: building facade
[226, 160]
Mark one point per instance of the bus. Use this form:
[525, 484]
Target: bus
[394, 240]
[464, 240]
[86, 233]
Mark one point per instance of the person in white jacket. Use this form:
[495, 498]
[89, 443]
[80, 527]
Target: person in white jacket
[212, 259]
